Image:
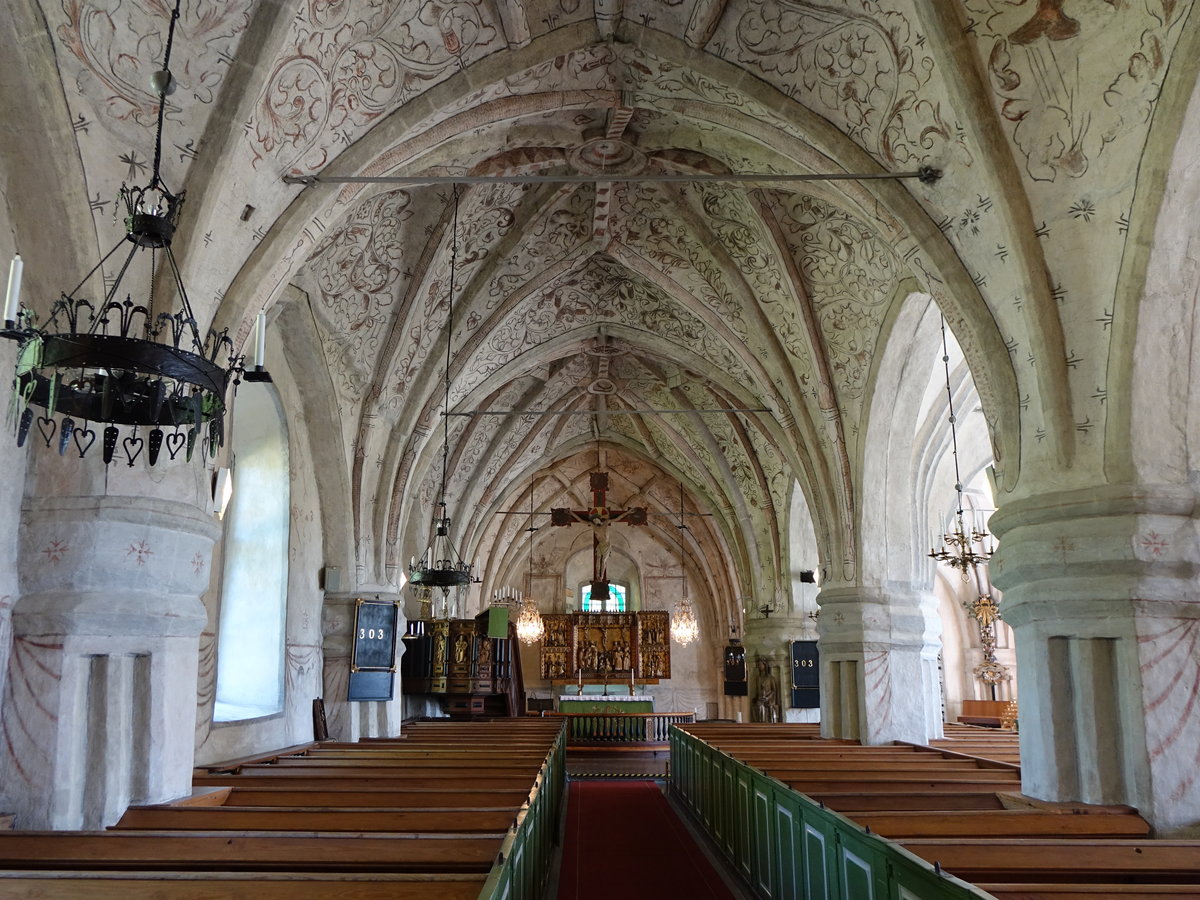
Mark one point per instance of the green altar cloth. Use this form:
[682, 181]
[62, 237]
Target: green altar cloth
[594, 704]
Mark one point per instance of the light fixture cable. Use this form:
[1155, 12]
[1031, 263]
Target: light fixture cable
[684, 627]
[441, 564]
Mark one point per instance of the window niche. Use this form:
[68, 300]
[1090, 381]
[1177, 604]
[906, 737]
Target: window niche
[250, 637]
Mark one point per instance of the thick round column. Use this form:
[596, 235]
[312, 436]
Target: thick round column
[351, 720]
[1100, 587]
[879, 679]
[99, 708]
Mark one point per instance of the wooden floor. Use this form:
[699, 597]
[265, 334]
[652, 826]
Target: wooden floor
[958, 803]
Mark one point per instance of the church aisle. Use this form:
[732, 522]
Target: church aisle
[623, 836]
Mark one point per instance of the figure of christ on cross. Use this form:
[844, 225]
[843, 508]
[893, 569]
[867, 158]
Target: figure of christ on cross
[599, 517]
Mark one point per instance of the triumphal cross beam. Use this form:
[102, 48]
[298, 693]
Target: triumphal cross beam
[599, 517]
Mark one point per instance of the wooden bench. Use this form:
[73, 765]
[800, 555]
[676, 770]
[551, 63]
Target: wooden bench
[1064, 861]
[1001, 823]
[322, 780]
[408, 798]
[1053, 891]
[306, 822]
[183, 884]
[235, 818]
[989, 713]
[1015, 847]
[249, 851]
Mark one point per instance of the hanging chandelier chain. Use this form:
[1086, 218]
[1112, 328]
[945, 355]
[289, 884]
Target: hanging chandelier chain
[449, 337]
[441, 565]
[163, 89]
[953, 422]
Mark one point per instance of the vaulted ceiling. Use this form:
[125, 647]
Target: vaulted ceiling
[583, 305]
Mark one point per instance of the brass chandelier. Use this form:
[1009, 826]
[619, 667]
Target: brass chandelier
[958, 548]
[959, 551]
[123, 361]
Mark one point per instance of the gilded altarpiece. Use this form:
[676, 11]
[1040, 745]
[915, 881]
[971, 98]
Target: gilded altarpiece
[594, 646]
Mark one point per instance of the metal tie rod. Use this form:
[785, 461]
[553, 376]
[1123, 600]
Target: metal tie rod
[649, 512]
[593, 412]
[925, 174]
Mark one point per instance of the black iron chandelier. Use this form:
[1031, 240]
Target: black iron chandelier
[441, 565]
[127, 362]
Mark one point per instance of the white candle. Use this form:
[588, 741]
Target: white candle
[260, 347]
[13, 298]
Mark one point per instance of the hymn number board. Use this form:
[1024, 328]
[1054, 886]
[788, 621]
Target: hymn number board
[806, 675]
[373, 657]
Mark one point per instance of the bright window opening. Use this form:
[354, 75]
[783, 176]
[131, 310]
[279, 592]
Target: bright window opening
[250, 640]
[615, 602]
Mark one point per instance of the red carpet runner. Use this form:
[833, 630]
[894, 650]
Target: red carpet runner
[624, 840]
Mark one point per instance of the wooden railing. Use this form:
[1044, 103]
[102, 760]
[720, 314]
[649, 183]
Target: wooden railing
[621, 728]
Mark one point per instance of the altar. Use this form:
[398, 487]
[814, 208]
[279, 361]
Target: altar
[599, 703]
[609, 648]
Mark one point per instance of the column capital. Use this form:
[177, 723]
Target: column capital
[1083, 554]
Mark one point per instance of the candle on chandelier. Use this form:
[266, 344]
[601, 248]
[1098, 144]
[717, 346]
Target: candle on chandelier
[13, 298]
[260, 345]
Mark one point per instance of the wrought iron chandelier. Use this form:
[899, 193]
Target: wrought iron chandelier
[441, 565]
[530, 627]
[129, 362]
[684, 627]
[958, 548]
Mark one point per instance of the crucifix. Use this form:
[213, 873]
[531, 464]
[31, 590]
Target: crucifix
[599, 516]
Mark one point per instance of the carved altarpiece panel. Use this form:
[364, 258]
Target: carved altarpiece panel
[606, 646]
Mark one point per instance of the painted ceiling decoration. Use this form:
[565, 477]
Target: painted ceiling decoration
[610, 297]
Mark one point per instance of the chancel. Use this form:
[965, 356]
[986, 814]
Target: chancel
[852, 342]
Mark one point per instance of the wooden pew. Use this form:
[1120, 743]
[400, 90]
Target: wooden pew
[409, 798]
[234, 818]
[983, 712]
[1089, 891]
[1014, 847]
[849, 803]
[1064, 861]
[182, 884]
[321, 780]
[249, 851]
[1001, 823]
[428, 825]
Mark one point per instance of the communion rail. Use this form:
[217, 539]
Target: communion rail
[633, 729]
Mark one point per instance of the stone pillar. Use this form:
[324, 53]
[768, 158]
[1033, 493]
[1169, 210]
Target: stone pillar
[879, 678]
[349, 721]
[1100, 588]
[99, 706]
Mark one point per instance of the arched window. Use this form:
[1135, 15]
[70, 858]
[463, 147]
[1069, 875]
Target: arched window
[616, 602]
[250, 637]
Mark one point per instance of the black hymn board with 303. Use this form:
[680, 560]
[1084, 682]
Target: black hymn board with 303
[806, 675]
[373, 657]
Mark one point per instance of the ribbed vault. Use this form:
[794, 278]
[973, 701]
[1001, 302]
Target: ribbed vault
[593, 301]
